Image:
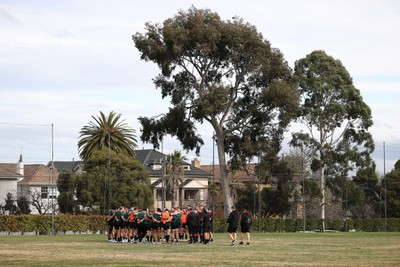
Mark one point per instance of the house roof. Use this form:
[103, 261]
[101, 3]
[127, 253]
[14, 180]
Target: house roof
[66, 165]
[247, 175]
[149, 157]
[9, 170]
[38, 174]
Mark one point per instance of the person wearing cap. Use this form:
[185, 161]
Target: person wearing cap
[233, 221]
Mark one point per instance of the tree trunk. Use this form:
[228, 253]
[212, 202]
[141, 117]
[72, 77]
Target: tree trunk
[227, 199]
[322, 176]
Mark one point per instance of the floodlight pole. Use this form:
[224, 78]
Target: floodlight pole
[213, 180]
[304, 195]
[384, 176]
[164, 196]
[259, 196]
[52, 179]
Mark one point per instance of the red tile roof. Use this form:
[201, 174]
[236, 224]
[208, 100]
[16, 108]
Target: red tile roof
[8, 170]
[38, 174]
[247, 175]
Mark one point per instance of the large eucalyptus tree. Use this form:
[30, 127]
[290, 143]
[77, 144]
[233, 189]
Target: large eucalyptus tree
[221, 72]
[336, 119]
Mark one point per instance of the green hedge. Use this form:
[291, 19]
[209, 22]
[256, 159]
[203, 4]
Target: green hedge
[43, 224]
[293, 225]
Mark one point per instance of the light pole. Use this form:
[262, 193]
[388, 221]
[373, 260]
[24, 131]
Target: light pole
[213, 180]
[304, 195]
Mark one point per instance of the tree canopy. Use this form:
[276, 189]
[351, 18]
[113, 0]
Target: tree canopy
[336, 117]
[124, 182]
[221, 72]
[106, 132]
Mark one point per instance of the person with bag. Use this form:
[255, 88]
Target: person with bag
[245, 225]
[233, 221]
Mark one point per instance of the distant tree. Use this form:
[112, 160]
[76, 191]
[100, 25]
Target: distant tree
[125, 182]
[175, 172]
[397, 165]
[276, 199]
[106, 132]
[392, 181]
[312, 193]
[66, 184]
[224, 73]
[42, 204]
[23, 205]
[334, 112]
[247, 197]
[367, 181]
[10, 204]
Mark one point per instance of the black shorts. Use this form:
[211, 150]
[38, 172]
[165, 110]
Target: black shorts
[245, 229]
[165, 226]
[175, 225]
[232, 229]
[118, 225]
[206, 228]
[155, 225]
[184, 225]
[133, 225]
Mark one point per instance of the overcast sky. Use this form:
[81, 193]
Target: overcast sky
[62, 62]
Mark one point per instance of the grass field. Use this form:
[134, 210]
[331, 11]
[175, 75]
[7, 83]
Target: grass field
[296, 249]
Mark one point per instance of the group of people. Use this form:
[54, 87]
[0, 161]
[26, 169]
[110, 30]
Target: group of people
[133, 225]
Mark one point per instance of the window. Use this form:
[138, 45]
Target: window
[186, 167]
[190, 194]
[44, 192]
[156, 167]
[159, 194]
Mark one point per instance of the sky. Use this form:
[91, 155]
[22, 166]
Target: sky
[62, 62]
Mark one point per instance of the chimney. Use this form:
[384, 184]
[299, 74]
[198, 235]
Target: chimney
[196, 162]
[20, 166]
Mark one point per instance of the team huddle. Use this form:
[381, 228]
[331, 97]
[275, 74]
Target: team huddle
[133, 225]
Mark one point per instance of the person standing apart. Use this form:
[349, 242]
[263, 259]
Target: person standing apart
[233, 221]
[206, 226]
[245, 225]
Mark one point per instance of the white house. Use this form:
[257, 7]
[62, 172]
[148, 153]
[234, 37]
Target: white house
[9, 177]
[36, 182]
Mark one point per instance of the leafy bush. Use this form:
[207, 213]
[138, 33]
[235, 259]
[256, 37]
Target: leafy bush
[43, 224]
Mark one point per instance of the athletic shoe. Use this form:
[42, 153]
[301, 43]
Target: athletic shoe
[241, 243]
[233, 242]
[248, 243]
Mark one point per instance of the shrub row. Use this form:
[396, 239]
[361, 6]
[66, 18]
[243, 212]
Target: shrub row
[293, 225]
[43, 224]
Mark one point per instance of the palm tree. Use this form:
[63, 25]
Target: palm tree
[106, 132]
[175, 172]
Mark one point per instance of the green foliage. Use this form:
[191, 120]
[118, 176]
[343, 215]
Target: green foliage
[113, 180]
[336, 117]
[10, 204]
[82, 223]
[23, 205]
[224, 73]
[43, 223]
[392, 180]
[175, 173]
[66, 185]
[106, 132]
[275, 200]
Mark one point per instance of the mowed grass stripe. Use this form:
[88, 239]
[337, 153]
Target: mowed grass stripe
[266, 249]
